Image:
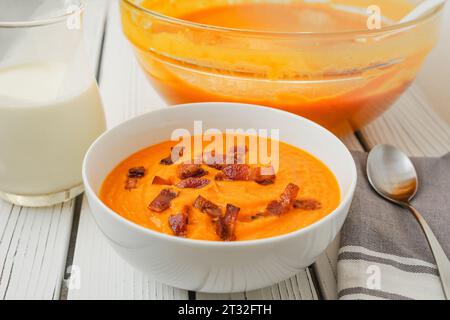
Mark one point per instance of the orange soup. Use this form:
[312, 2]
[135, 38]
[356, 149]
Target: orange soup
[339, 81]
[278, 17]
[221, 201]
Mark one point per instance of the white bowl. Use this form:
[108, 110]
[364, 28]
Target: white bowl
[206, 265]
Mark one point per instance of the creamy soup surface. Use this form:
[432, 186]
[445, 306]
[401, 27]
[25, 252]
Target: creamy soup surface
[221, 202]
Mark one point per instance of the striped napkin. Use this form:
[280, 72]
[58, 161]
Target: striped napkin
[383, 252]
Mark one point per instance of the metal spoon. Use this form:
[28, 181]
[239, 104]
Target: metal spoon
[392, 175]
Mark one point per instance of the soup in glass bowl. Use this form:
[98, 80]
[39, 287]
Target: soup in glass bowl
[340, 63]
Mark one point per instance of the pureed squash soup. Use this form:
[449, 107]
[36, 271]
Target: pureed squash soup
[341, 81]
[221, 196]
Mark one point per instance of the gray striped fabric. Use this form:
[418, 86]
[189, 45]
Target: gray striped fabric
[384, 253]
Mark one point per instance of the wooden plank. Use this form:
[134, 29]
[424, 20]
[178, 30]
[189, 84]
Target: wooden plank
[33, 246]
[126, 93]
[34, 242]
[94, 29]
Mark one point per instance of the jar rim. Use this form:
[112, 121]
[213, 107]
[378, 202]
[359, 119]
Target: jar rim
[78, 9]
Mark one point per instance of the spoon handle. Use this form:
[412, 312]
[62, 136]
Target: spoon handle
[442, 261]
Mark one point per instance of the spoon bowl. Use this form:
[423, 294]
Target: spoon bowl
[392, 174]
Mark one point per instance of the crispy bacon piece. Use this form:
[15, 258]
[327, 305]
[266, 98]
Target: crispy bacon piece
[193, 183]
[242, 172]
[131, 183]
[289, 195]
[307, 204]
[133, 176]
[219, 161]
[179, 222]
[175, 154]
[138, 172]
[161, 181]
[275, 208]
[216, 166]
[264, 176]
[220, 177]
[226, 225]
[207, 207]
[185, 171]
[237, 172]
[286, 201]
[162, 201]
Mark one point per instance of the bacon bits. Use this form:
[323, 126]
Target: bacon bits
[275, 208]
[236, 172]
[236, 155]
[185, 171]
[162, 201]
[175, 154]
[264, 176]
[220, 177]
[207, 207]
[179, 222]
[307, 204]
[243, 172]
[133, 176]
[226, 225]
[193, 183]
[131, 183]
[161, 181]
[289, 195]
[257, 216]
[286, 202]
[138, 172]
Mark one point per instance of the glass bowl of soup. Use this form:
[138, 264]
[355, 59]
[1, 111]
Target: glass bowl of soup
[340, 63]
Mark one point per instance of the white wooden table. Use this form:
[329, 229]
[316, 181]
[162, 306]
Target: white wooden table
[37, 246]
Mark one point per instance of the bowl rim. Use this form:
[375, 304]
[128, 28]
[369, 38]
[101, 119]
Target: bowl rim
[358, 32]
[346, 201]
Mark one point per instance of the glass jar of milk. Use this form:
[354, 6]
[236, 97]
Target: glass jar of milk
[50, 107]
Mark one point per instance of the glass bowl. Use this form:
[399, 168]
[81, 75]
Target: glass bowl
[341, 80]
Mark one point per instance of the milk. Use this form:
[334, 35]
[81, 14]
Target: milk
[47, 123]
